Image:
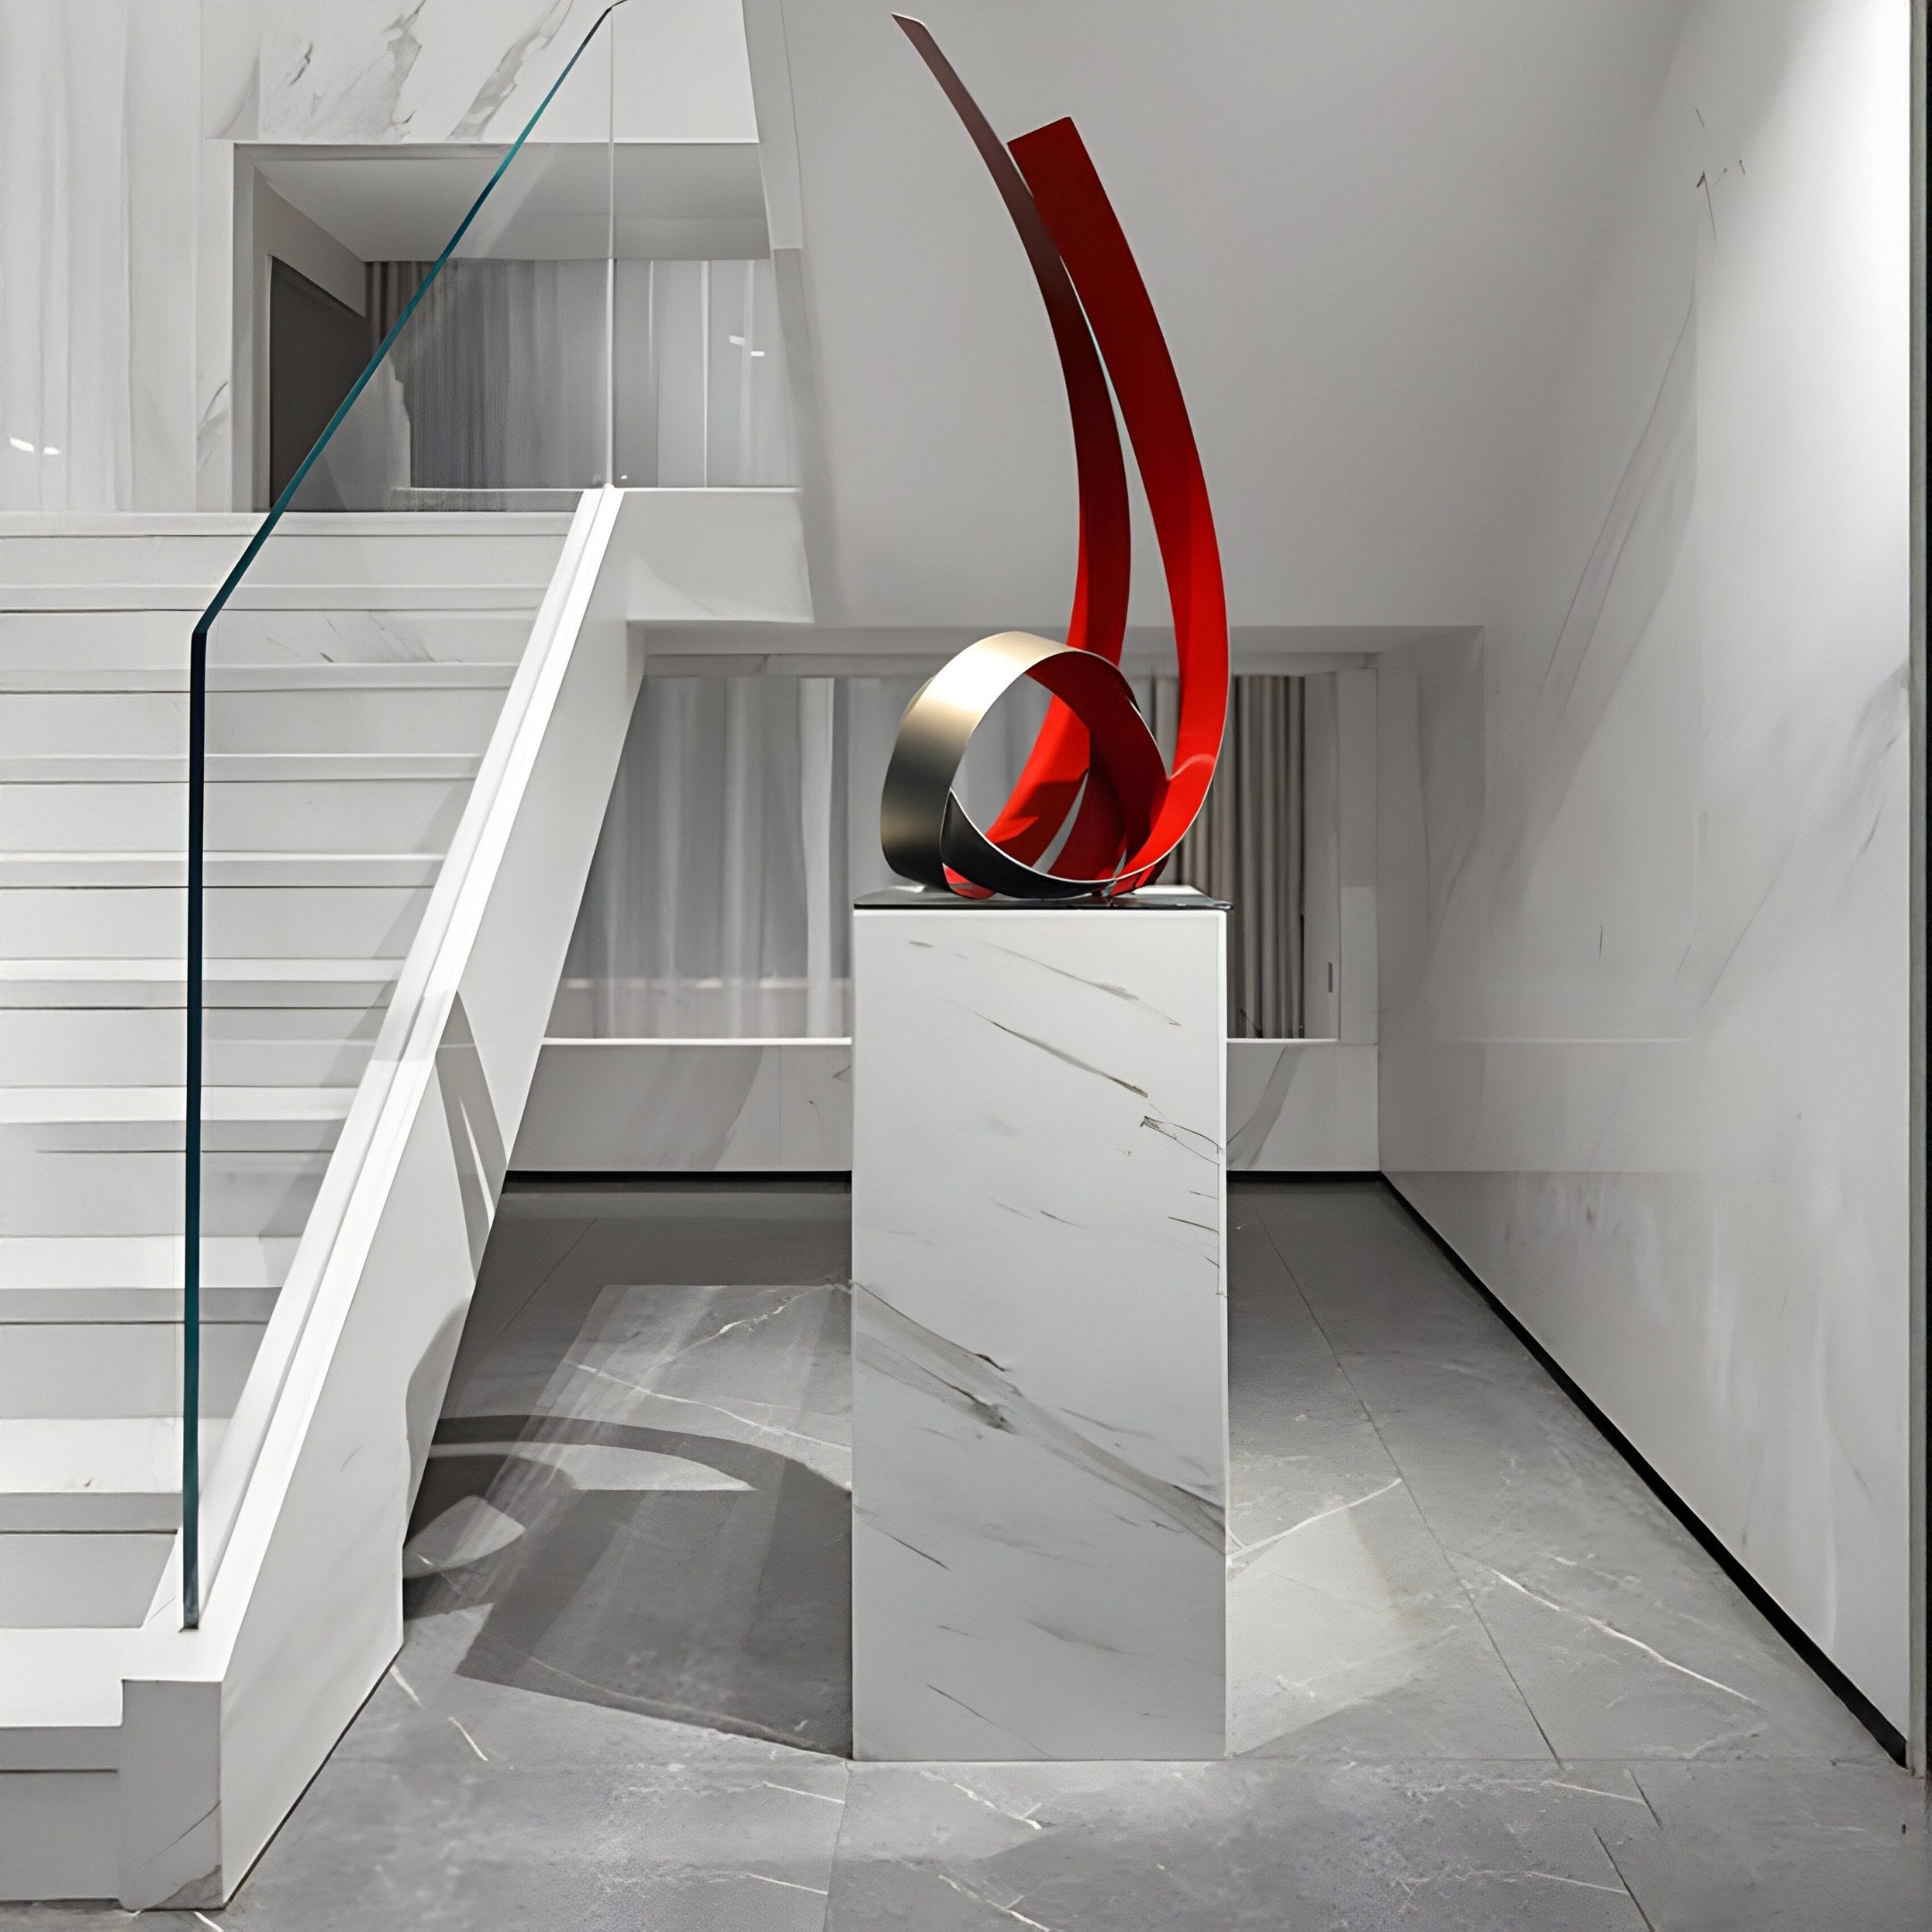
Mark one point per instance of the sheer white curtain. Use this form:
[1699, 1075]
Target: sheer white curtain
[66, 403]
[504, 379]
[702, 396]
[742, 826]
[1249, 846]
[716, 902]
[501, 380]
[745, 821]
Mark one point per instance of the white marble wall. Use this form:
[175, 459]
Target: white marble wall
[1644, 844]
[1039, 1334]
[383, 71]
[401, 73]
[1302, 1106]
[120, 121]
[689, 1106]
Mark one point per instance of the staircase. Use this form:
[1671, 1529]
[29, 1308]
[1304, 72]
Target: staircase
[356, 693]
[342, 746]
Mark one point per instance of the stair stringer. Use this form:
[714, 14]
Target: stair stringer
[304, 1609]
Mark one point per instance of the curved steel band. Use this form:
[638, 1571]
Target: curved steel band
[926, 831]
[1095, 780]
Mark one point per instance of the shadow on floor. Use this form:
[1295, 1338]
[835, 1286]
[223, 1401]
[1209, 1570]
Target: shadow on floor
[622, 1558]
[723, 1601]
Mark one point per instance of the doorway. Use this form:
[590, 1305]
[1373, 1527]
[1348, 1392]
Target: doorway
[317, 348]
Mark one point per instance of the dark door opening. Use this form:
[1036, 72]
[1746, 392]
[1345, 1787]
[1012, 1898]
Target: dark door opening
[317, 348]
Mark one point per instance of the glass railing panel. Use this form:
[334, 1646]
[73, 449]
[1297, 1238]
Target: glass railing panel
[345, 683]
[701, 398]
[494, 393]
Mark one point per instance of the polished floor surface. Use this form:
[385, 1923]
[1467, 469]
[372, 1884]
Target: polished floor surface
[1482, 1677]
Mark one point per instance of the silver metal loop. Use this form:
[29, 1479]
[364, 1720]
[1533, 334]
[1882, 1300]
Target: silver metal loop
[922, 825]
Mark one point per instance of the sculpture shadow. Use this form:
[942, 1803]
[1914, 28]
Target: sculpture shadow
[727, 1606]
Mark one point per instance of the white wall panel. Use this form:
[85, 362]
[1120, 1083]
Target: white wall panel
[1644, 845]
[785, 1107]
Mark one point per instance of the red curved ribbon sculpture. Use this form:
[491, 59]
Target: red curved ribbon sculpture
[1095, 761]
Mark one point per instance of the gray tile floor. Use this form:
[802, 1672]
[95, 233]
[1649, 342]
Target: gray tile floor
[1483, 1678]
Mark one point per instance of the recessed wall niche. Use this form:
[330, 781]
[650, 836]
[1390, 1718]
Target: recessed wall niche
[745, 820]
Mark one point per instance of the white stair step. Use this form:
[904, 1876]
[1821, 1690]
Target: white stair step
[143, 1120]
[140, 1261]
[57, 1305]
[40, 871]
[106, 1369]
[225, 677]
[62, 1190]
[76, 1579]
[80, 1473]
[144, 1046]
[251, 923]
[185, 602]
[159, 638]
[403, 813]
[256, 768]
[196, 550]
[162, 983]
[45, 1278]
[421, 716]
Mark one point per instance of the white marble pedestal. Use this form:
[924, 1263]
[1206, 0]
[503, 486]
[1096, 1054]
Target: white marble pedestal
[1039, 1329]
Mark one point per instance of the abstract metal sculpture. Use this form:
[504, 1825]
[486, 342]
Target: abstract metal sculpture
[1094, 759]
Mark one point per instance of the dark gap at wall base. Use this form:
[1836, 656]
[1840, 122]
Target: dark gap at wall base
[1767, 1606]
[831, 1179]
[839, 1177]
[1306, 1177]
[1848, 1693]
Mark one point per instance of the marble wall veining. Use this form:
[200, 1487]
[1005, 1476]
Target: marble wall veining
[363, 74]
[124, 127]
[381, 70]
[1643, 843]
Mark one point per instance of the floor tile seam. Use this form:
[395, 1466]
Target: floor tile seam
[1475, 1608]
[1429, 1527]
[1348, 1380]
[1429, 1264]
[1301, 1293]
[838, 1841]
[1538, 1383]
[1630, 1770]
[688, 1716]
[1636, 1903]
[549, 1275]
[1468, 1597]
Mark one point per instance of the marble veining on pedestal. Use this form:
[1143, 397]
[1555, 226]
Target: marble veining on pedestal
[1040, 1355]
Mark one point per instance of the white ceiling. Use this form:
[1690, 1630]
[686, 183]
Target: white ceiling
[1366, 228]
